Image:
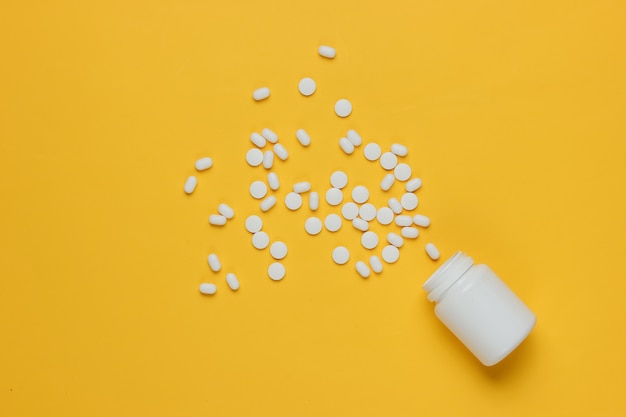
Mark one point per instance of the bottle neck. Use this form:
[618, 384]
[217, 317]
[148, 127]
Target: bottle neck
[446, 275]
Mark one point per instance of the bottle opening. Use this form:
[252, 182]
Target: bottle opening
[446, 275]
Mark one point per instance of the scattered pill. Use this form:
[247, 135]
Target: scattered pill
[402, 172]
[349, 210]
[204, 163]
[214, 263]
[217, 220]
[388, 161]
[258, 140]
[261, 93]
[272, 180]
[293, 201]
[343, 108]
[346, 146]
[394, 205]
[276, 271]
[399, 150]
[395, 239]
[232, 281]
[339, 179]
[362, 269]
[390, 254]
[413, 185]
[341, 255]
[254, 223]
[258, 189]
[306, 86]
[313, 226]
[314, 200]
[280, 151]
[260, 240]
[421, 220]
[268, 159]
[268, 203]
[254, 157]
[278, 250]
[226, 211]
[303, 137]
[332, 222]
[270, 135]
[385, 216]
[410, 232]
[360, 224]
[404, 220]
[334, 196]
[302, 187]
[327, 51]
[208, 289]
[190, 184]
[367, 212]
[432, 251]
[409, 201]
[372, 151]
[360, 194]
[387, 182]
[369, 240]
[376, 264]
[354, 137]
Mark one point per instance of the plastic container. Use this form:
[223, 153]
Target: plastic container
[474, 303]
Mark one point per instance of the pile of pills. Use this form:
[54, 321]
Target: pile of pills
[351, 205]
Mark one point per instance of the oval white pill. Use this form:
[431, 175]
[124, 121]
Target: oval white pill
[217, 220]
[413, 185]
[399, 149]
[258, 140]
[409, 201]
[303, 137]
[421, 220]
[367, 212]
[332, 222]
[254, 223]
[208, 289]
[261, 93]
[341, 255]
[388, 161]
[313, 226]
[302, 187]
[339, 179]
[402, 172]
[214, 263]
[293, 201]
[280, 151]
[346, 146]
[327, 51]
[306, 86]
[272, 180]
[268, 159]
[278, 250]
[387, 182]
[268, 203]
[276, 271]
[385, 216]
[190, 184]
[360, 224]
[410, 232]
[270, 135]
[254, 157]
[369, 240]
[349, 210]
[204, 163]
[226, 211]
[354, 137]
[362, 269]
[258, 189]
[334, 196]
[394, 205]
[390, 254]
[343, 108]
[360, 194]
[232, 281]
[376, 264]
[314, 200]
[404, 220]
[432, 251]
[395, 239]
[260, 240]
[372, 151]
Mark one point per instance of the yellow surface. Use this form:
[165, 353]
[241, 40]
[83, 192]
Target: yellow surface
[514, 116]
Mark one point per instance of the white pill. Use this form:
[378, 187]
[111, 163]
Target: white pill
[278, 250]
[354, 137]
[346, 146]
[258, 140]
[402, 172]
[314, 200]
[395, 239]
[190, 184]
[226, 211]
[293, 201]
[343, 108]
[390, 254]
[327, 51]
[413, 185]
[204, 163]
[261, 93]
[258, 189]
[410, 232]
[276, 271]
[367, 212]
[339, 179]
[306, 86]
[369, 240]
[254, 223]
[372, 151]
[214, 263]
[421, 220]
[409, 201]
[332, 222]
[280, 151]
[273, 181]
[360, 194]
[334, 196]
[399, 150]
[254, 157]
[268, 159]
[388, 161]
[217, 220]
[394, 205]
[376, 264]
[268, 203]
[302, 187]
[232, 281]
[349, 210]
[432, 251]
[387, 182]
[362, 269]
[208, 289]
[260, 240]
[270, 135]
[384, 216]
[341, 255]
[404, 220]
[360, 224]
[313, 226]
[303, 137]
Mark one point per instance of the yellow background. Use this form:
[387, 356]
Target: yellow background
[514, 116]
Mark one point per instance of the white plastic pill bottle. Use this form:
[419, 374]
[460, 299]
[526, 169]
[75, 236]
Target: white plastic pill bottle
[474, 303]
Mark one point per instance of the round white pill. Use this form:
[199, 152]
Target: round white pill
[362, 269]
[261, 93]
[404, 220]
[395, 239]
[313, 226]
[410, 232]
[360, 224]
[402, 172]
[354, 137]
[360, 194]
[343, 108]
[367, 212]
[390, 254]
[268, 203]
[303, 137]
[388, 161]
[334, 196]
[339, 179]
[217, 220]
[409, 201]
[346, 146]
[332, 222]
[341, 255]
[376, 264]
[314, 200]
[258, 189]
[302, 187]
[208, 289]
[278, 250]
[270, 135]
[432, 251]
[399, 150]
[306, 86]
[232, 281]
[214, 263]
[204, 163]
[293, 201]
[384, 216]
[327, 51]
[190, 184]
[413, 185]
[276, 271]
[369, 240]
[254, 157]
[258, 140]
[280, 151]
[372, 151]
[268, 159]
[260, 240]
[421, 220]
[273, 181]
[349, 210]
[387, 182]
[394, 205]
[226, 211]
[254, 223]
